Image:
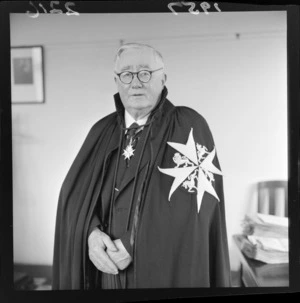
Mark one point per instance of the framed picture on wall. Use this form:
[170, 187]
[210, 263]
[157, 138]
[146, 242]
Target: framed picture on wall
[27, 74]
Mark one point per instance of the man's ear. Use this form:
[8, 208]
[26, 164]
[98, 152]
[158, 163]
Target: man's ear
[115, 78]
[164, 80]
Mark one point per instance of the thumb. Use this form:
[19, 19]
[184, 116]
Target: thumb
[110, 244]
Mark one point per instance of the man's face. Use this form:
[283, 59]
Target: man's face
[137, 97]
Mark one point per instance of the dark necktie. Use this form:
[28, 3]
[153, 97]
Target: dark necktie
[130, 142]
[130, 135]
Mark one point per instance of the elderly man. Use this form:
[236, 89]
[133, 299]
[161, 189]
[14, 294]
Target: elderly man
[142, 205]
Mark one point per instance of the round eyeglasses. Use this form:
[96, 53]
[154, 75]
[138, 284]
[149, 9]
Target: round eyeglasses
[143, 75]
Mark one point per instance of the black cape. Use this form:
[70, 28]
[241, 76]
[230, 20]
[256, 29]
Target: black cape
[174, 245]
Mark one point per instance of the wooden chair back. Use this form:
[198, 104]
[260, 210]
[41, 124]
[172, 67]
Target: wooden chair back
[272, 198]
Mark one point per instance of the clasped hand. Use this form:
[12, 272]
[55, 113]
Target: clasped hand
[107, 255]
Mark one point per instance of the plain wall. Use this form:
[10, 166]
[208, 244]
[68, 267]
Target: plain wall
[239, 84]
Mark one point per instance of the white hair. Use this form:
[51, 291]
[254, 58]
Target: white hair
[127, 46]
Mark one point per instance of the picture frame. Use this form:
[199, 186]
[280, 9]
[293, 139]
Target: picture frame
[27, 74]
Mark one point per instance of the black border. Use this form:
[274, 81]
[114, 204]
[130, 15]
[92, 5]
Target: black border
[293, 87]
[139, 294]
[43, 75]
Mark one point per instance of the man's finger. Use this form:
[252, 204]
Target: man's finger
[109, 243]
[121, 258]
[107, 262]
[103, 263]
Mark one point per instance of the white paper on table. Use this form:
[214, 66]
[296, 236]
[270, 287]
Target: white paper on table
[267, 243]
[274, 220]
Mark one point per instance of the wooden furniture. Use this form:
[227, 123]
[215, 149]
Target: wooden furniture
[272, 199]
[258, 274]
[22, 281]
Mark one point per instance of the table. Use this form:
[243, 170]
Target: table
[259, 274]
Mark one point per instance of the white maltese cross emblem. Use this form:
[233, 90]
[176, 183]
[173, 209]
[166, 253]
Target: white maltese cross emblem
[194, 169]
[128, 152]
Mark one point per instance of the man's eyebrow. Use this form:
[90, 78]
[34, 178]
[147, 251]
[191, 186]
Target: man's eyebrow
[128, 67]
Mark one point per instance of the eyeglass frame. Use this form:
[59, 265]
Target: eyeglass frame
[137, 74]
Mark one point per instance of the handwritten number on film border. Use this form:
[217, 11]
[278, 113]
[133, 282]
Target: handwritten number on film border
[204, 5]
[30, 14]
[70, 12]
[41, 5]
[192, 4]
[53, 10]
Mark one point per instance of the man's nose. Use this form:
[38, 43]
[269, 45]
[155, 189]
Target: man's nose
[136, 82]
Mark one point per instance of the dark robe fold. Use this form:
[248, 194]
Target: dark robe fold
[172, 244]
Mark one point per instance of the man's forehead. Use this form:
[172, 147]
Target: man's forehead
[136, 58]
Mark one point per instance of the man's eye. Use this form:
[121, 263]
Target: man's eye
[126, 74]
[144, 73]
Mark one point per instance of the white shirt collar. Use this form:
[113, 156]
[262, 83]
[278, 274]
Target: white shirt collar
[129, 119]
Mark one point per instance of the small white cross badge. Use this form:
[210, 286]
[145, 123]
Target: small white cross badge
[128, 152]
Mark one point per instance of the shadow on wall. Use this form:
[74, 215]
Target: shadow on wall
[252, 203]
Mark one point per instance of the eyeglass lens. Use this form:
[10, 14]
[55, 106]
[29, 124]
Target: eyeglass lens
[143, 76]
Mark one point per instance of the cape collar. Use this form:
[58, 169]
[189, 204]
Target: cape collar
[156, 110]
